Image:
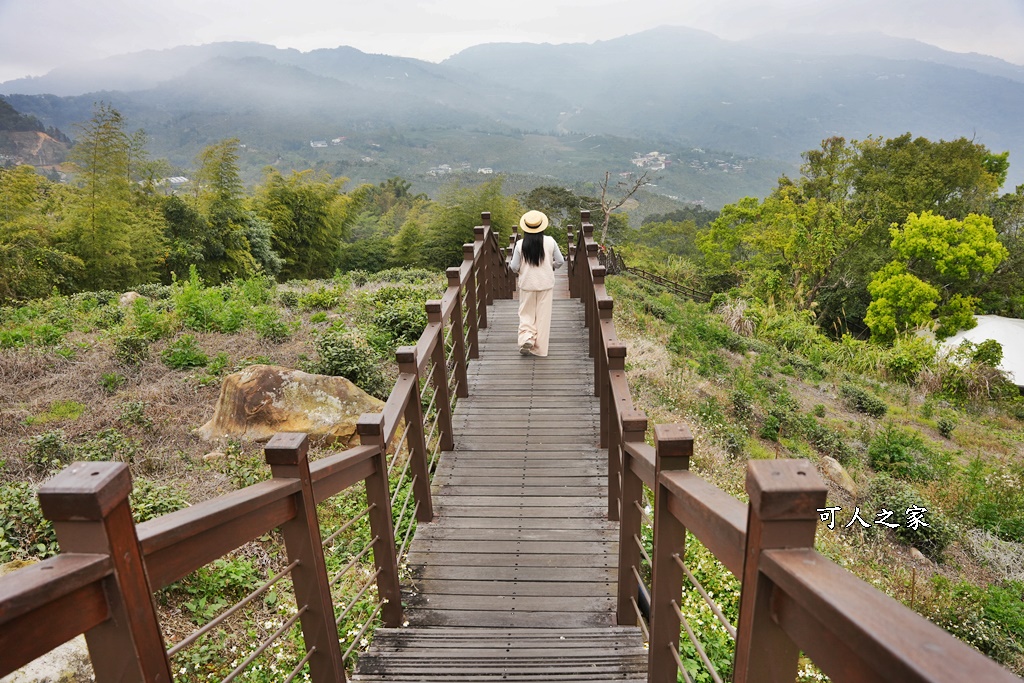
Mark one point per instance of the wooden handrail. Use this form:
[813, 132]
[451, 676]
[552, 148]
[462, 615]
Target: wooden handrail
[793, 599]
[102, 582]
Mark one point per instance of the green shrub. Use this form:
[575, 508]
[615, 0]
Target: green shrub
[931, 539]
[989, 618]
[268, 324]
[134, 413]
[288, 298]
[994, 499]
[112, 381]
[909, 355]
[184, 353]
[318, 317]
[155, 291]
[946, 426]
[903, 453]
[150, 500]
[210, 589]
[770, 428]
[413, 276]
[131, 349]
[345, 353]
[320, 299]
[989, 352]
[399, 317]
[828, 441]
[24, 532]
[108, 445]
[49, 451]
[257, 289]
[149, 323]
[861, 401]
[742, 404]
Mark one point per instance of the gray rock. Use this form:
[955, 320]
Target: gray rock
[838, 475]
[262, 400]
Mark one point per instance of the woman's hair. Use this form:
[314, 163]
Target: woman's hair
[533, 248]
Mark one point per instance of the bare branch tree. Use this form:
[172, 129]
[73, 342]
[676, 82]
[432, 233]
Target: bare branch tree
[608, 205]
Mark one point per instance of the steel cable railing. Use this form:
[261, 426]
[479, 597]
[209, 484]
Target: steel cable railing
[229, 612]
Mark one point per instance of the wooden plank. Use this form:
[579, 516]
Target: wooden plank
[498, 603]
[506, 480]
[562, 550]
[520, 522]
[544, 512]
[526, 588]
[436, 617]
[521, 573]
[510, 559]
[435, 533]
[510, 495]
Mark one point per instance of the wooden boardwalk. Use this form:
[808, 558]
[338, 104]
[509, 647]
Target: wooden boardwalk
[515, 579]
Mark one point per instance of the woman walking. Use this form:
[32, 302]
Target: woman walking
[535, 258]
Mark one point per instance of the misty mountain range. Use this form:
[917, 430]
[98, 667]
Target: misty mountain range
[670, 88]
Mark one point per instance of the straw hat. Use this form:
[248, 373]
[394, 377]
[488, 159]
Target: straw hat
[533, 221]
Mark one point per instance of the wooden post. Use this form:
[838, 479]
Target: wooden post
[673, 446]
[88, 505]
[286, 453]
[458, 335]
[574, 287]
[621, 507]
[504, 289]
[471, 307]
[484, 279]
[783, 513]
[611, 358]
[595, 318]
[611, 436]
[490, 255]
[590, 269]
[420, 466]
[442, 395]
[378, 496]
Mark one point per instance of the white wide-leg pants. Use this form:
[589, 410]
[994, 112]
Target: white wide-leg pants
[535, 319]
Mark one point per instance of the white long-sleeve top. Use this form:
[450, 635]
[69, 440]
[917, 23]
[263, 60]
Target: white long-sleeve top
[539, 277]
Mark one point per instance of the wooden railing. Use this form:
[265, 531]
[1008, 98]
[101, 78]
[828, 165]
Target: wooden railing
[615, 264]
[792, 598]
[103, 581]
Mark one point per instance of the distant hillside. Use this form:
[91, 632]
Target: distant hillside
[25, 140]
[728, 116]
[690, 85]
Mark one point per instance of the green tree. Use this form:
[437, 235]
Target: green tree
[310, 217]
[220, 199]
[455, 215]
[1003, 292]
[890, 179]
[939, 264]
[118, 238]
[407, 244]
[900, 301]
[30, 264]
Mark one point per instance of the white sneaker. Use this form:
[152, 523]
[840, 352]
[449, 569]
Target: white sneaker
[525, 347]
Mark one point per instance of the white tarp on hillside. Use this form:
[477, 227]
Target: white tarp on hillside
[1007, 331]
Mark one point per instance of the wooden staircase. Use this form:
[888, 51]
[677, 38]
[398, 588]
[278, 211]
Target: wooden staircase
[515, 578]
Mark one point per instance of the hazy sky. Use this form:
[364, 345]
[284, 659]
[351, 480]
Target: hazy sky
[38, 35]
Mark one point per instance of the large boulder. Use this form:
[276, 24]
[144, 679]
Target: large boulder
[262, 400]
[838, 475]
